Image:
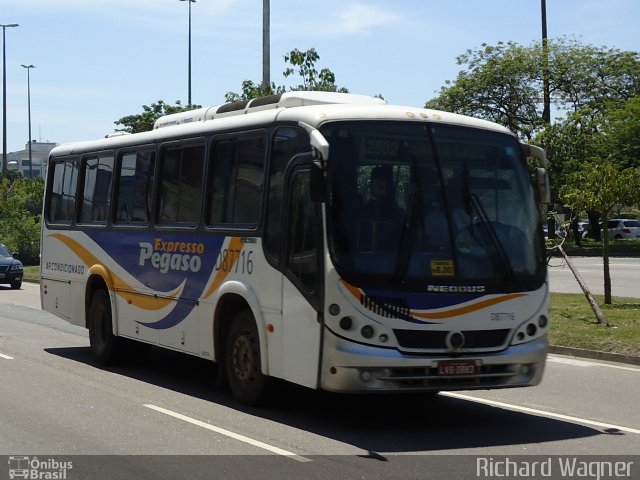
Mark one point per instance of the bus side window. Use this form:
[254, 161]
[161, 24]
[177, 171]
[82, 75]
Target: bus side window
[96, 194]
[235, 181]
[64, 184]
[181, 174]
[135, 187]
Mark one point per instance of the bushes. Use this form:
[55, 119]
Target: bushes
[20, 215]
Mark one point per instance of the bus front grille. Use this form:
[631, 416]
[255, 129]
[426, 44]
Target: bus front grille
[436, 339]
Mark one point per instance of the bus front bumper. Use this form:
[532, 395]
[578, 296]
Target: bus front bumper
[353, 368]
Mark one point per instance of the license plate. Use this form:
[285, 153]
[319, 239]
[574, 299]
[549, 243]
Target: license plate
[455, 368]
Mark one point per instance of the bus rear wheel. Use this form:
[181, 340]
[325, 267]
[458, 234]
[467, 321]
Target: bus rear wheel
[242, 360]
[105, 346]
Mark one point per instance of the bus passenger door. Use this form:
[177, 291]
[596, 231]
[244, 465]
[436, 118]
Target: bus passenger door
[301, 291]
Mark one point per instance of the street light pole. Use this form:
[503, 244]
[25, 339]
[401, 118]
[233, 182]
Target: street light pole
[4, 98]
[29, 67]
[189, 74]
[546, 111]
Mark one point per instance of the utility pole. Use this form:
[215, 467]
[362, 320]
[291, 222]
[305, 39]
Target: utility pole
[4, 98]
[266, 56]
[189, 68]
[29, 67]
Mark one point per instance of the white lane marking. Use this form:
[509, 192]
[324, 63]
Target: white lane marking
[236, 436]
[6, 357]
[586, 363]
[542, 413]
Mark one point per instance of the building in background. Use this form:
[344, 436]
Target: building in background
[39, 154]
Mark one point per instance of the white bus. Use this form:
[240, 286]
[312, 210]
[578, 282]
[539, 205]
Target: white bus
[330, 240]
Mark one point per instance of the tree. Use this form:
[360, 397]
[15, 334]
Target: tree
[570, 143]
[600, 185]
[251, 90]
[612, 134]
[302, 64]
[500, 83]
[20, 209]
[503, 83]
[144, 121]
[622, 131]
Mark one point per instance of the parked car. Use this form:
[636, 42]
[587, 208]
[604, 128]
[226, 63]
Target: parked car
[623, 228]
[583, 228]
[11, 269]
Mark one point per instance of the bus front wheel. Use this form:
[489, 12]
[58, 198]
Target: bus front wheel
[104, 344]
[243, 366]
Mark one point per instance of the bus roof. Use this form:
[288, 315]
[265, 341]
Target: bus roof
[270, 102]
[311, 107]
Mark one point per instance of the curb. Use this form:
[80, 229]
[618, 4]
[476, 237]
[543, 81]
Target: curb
[594, 354]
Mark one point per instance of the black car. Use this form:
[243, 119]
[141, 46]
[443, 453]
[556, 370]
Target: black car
[10, 269]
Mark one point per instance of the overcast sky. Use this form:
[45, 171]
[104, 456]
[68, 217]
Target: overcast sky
[99, 60]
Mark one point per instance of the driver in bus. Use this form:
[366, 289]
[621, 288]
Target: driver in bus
[382, 218]
[382, 206]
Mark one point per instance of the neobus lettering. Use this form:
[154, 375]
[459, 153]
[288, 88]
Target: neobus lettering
[456, 288]
[168, 261]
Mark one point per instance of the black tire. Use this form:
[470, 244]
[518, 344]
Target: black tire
[242, 361]
[16, 285]
[105, 346]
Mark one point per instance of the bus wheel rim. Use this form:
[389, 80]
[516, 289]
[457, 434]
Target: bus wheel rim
[243, 359]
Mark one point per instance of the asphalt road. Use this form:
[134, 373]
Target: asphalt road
[158, 412]
[625, 275]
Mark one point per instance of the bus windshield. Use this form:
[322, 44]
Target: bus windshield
[419, 204]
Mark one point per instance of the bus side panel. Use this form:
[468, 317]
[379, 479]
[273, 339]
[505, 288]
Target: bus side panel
[183, 336]
[55, 297]
[134, 310]
[63, 276]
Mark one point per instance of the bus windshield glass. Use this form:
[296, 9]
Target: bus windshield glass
[414, 204]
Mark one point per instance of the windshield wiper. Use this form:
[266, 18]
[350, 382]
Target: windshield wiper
[407, 238]
[472, 200]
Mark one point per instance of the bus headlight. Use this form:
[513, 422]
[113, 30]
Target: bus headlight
[530, 330]
[346, 323]
[367, 331]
